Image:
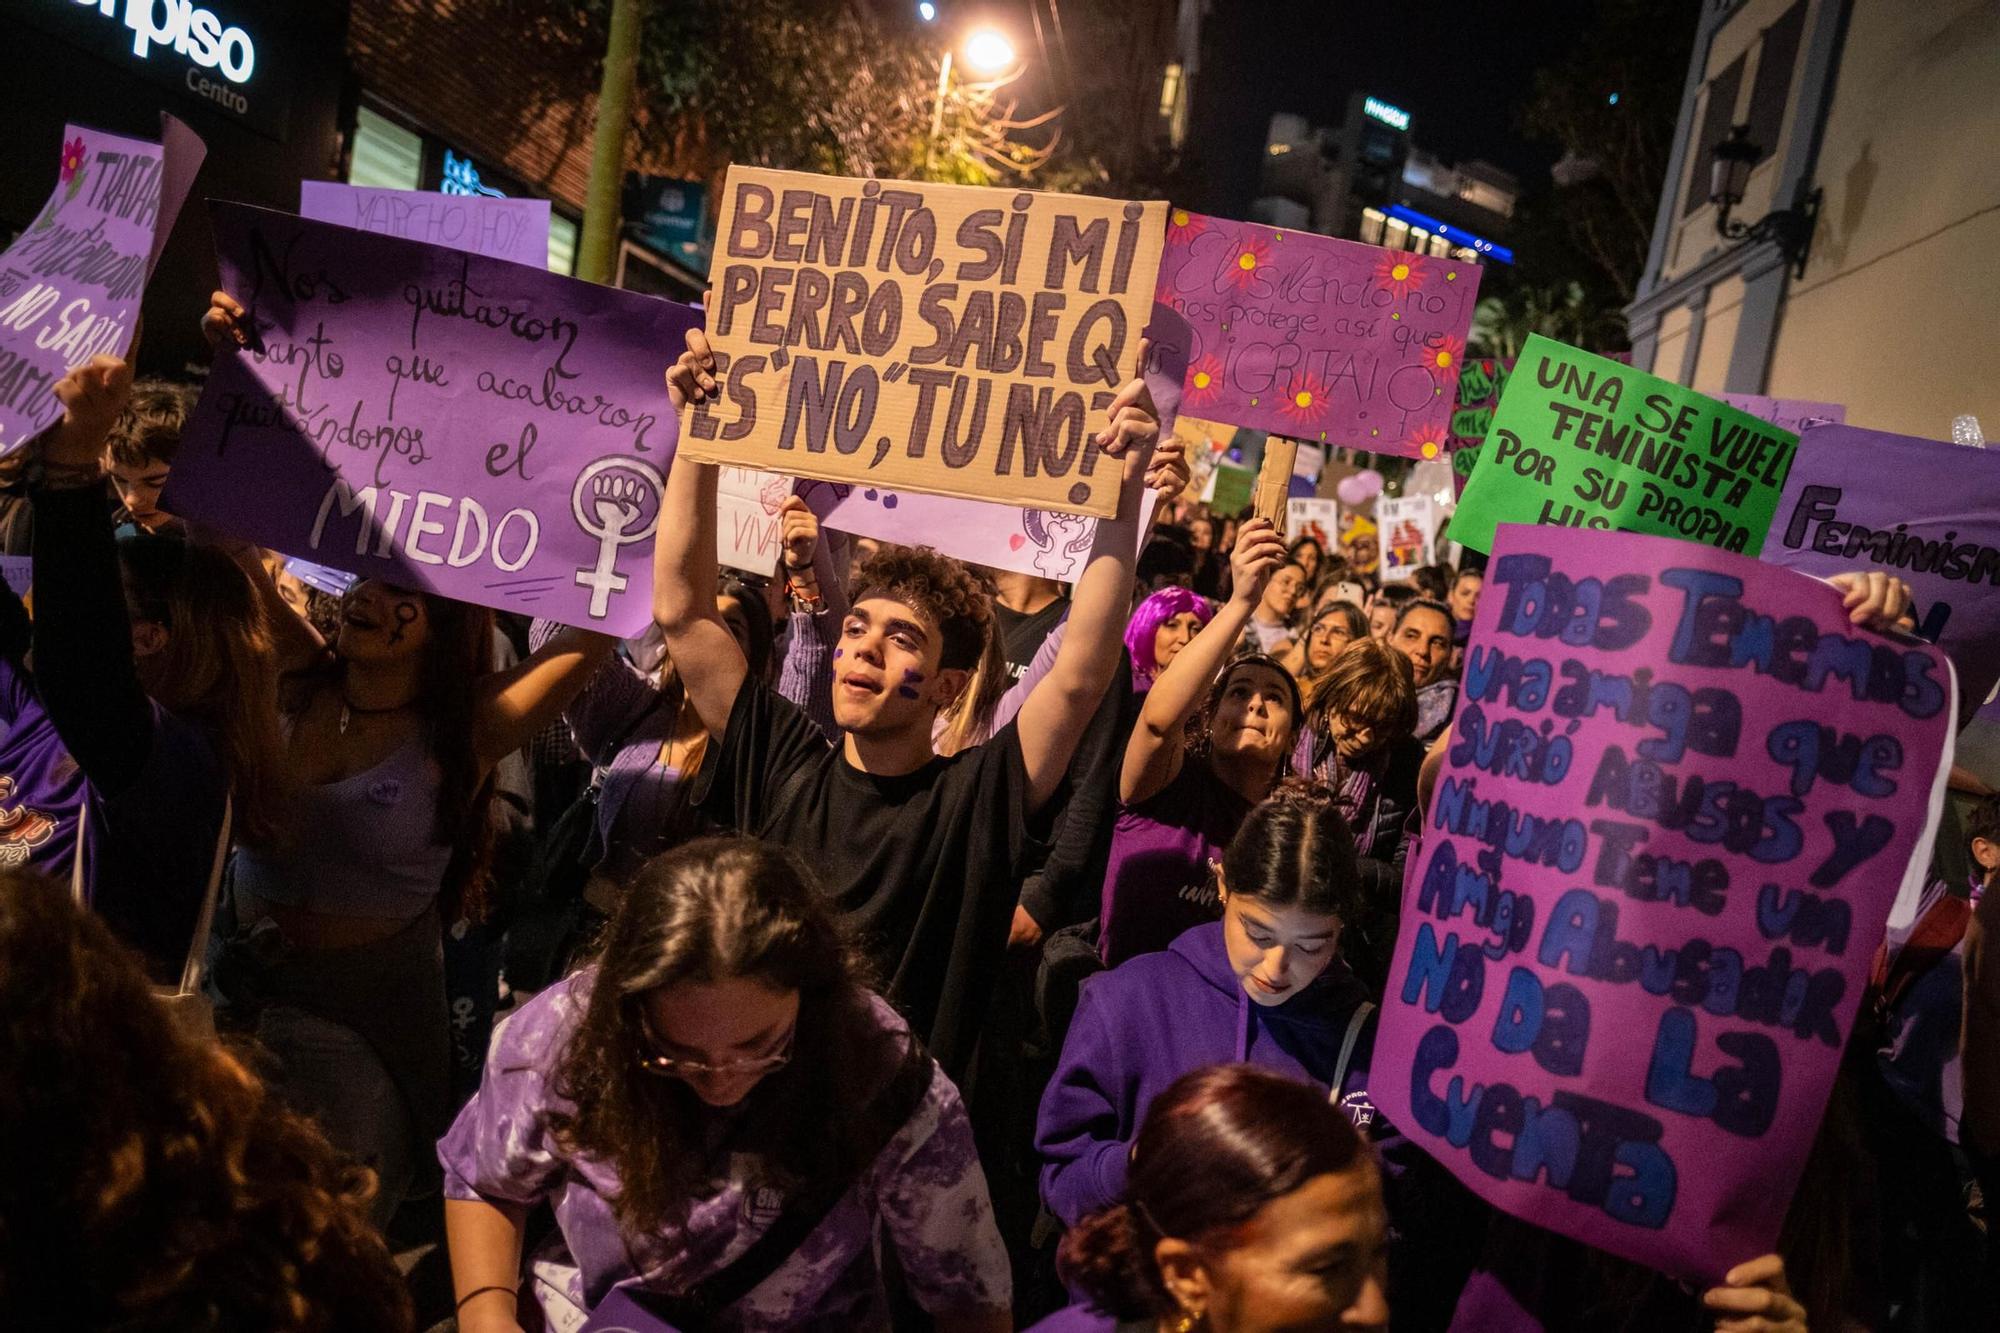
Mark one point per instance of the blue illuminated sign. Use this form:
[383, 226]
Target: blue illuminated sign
[1479, 245]
[461, 177]
[1393, 116]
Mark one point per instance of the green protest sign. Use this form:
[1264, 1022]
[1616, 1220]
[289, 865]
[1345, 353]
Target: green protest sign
[1232, 489]
[1582, 441]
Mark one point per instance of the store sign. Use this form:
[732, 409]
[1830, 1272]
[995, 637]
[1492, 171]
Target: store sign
[214, 57]
[1478, 244]
[1393, 116]
[462, 177]
[666, 214]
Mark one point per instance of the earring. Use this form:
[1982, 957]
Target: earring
[1189, 1321]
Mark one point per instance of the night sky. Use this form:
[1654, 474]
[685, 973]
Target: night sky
[1462, 72]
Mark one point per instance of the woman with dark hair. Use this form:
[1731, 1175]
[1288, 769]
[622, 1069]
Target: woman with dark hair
[152, 1184]
[1265, 984]
[392, 735]
[1248, 1205]
[1358, 741]
[724, 1118]
[150, 710]
[1211, 741]
[1308, 555]
[1423, 633]
[1164, 624]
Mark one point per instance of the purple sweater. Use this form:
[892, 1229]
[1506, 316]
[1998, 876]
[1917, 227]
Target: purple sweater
[1140, 1026]
[924, 1195]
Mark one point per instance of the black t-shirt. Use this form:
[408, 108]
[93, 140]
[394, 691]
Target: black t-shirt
[921, 868]
[1022, 633]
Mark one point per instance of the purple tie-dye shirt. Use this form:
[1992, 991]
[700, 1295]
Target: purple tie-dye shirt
[925, 1191]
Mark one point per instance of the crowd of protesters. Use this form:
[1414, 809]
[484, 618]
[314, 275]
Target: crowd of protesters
[888, 942]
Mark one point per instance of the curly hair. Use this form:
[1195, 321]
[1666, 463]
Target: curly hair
[941, 589]
[1217, 1146]
[155, 1185]
[710, 910]
[149, 429]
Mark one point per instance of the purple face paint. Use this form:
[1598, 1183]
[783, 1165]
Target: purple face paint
[837, 652]
[908, 689]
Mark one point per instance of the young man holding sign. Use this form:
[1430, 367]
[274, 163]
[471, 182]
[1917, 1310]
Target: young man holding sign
[917, 851]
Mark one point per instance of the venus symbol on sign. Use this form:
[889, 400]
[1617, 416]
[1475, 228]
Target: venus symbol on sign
[617, 501]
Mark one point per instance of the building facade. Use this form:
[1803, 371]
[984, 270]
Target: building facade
[1877, 122]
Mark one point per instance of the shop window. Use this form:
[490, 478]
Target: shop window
[1716, 119]
[1773, 86]
[562, 244]
[385, 155]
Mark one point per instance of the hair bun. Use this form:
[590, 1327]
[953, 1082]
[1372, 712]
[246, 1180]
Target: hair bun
[1107, 1256]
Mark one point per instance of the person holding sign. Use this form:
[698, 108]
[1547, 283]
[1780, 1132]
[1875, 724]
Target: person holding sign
[919, 853]
[1180, 807]
[1250, 1205]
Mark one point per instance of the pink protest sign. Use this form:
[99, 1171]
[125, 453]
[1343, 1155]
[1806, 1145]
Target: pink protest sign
[1792, 414]
[1305, 336]
[1681, 793]
[512, 229]
[70, 285]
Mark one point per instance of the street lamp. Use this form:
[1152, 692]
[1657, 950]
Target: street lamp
[1791, 229]
[988, 53]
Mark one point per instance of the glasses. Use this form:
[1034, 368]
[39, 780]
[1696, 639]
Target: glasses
[672, 1067]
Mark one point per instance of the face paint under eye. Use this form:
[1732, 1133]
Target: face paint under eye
[406, 616]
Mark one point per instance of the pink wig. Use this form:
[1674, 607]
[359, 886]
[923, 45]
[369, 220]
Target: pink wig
[1154, 612]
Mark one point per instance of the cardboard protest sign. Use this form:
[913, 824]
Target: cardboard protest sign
[943, 339]
[1582, 441]
[1792, 414]
[1409, 535]
[1681, 793]
[1314, 518]
[1926, 511]
[511, 229]
[1324, 340]
[748, 531]
[453, 423]
[70, 285]
[1047, 543]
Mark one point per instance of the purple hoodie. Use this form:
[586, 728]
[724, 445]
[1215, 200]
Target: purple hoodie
[1146, 1022]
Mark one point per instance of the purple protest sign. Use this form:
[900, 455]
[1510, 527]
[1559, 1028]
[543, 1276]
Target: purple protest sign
[1923, 510]
[1681, 793]
[475, 428]
[511, 229]
[70, 284]
[1317, 339]
[1792, 414]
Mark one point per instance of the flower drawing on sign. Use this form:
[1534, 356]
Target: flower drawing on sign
[72, 163]
[617, 501]
[1427, 439]
[1401, 271]
[1204, 381]
[773, 494]
[1252, 256]
[1445, 359]
[1183, 226]
[1306, 400]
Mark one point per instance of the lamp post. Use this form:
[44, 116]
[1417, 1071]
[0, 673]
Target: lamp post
[1791, 229]
[988, 53]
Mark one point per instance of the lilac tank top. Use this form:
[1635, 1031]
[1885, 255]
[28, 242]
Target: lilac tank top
[364, 846]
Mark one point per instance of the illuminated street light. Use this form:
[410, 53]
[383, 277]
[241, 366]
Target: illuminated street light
[987, 52]
[927, 11]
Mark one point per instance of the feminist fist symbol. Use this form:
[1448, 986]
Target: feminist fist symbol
[617, 501]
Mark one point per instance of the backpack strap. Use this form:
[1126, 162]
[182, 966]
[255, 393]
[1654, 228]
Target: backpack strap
[1347, 1044]
[802, 1214]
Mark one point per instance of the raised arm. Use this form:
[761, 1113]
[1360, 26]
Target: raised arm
[711, 665]
[83, 653]
[1153, 755]
[1055, 714]
[517, 703]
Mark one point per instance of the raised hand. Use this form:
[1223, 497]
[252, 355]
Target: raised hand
[1875, 600]
[691, 378]
[92, 395]
[799, 531]
[225, 321]
[1258, 553]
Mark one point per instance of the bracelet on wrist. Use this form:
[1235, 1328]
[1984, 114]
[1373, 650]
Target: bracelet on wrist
[467, 1299]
